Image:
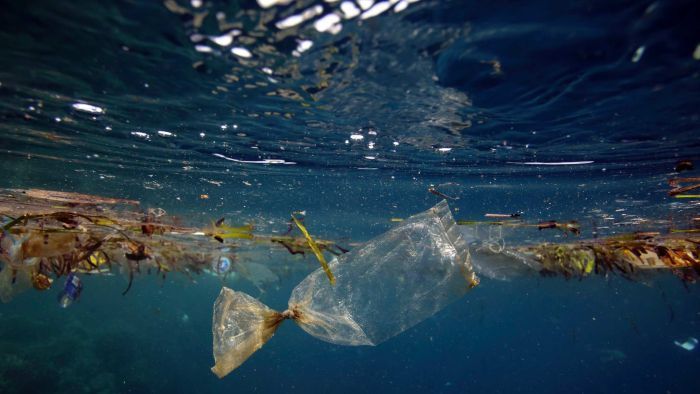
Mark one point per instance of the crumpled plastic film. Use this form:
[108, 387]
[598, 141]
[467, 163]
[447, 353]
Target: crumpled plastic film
[241, 325]
[493, 257]
[388, 285]
[505, 265]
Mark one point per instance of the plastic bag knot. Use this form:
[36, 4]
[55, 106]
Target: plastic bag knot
[289, 314]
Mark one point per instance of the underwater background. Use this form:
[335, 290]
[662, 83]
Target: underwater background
[561, 111]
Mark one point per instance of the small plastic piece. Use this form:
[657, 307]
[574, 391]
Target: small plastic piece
[71, 291]
[222, 265]
[689, 345]
[383, 288]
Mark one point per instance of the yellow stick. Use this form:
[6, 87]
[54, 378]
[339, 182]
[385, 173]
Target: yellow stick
[317, 251]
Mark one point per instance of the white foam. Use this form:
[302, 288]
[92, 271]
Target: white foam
[223, 40]
[349, 9]
[203, 49]
[400, 6]
[326, 22]
[241, 52]
[365, 4]
[93, 109]
[378, 9]
[296, 19]
[270, 3]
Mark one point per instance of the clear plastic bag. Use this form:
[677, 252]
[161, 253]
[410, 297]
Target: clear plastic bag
[388, 285]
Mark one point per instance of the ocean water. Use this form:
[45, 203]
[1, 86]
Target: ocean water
[561, 111]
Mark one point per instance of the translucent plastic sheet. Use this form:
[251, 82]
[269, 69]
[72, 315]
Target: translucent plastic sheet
[505, 265]
[241, 325]
[385, 287]
[492, 255]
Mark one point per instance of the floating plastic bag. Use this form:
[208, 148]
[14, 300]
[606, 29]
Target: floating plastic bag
[392, 283]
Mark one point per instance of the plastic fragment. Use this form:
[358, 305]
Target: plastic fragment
[71, 291]
[688, 345]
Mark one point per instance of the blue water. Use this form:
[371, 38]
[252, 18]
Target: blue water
[460, 95]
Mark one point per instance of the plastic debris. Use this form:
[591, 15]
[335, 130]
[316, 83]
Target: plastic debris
[257, 274]
[688, 345]
[383, 288]
[222, 265]
[440, 194]
[41, 281]
[71, 291]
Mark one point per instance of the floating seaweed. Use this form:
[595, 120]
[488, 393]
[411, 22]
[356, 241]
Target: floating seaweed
[630, 256]
[219, 231]
[47, 235]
